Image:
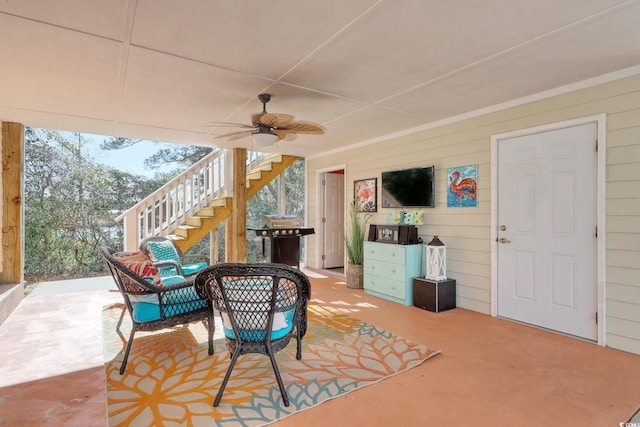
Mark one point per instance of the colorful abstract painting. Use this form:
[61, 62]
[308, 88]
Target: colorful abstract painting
[364, 194]
[462, 190]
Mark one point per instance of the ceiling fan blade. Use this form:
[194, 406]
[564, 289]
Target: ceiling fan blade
[240, 136]
[282, 134]
[255, 118]
[236, 135]
[229, 124]
[276, 119]
[305, 128]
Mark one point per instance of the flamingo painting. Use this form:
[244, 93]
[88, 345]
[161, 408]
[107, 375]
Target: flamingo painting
[462, 189]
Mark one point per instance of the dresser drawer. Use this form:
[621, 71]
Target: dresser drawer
[391, 287]
[385, 252]
[385, 269]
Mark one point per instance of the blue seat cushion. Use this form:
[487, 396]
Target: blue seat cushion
[282, 325]
[255, 309]
[147, 309]
[189, 269]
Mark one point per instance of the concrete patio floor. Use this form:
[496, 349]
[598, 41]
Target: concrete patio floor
[492, 372]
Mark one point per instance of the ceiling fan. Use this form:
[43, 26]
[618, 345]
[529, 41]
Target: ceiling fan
[268, 128]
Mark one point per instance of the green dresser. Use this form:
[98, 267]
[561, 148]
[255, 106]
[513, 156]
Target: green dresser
[389, 270]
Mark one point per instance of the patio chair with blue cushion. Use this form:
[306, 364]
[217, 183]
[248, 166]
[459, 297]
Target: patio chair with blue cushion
[155, 302]
[262, 307]
[162, 250]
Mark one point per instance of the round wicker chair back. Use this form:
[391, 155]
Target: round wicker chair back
[262, 307]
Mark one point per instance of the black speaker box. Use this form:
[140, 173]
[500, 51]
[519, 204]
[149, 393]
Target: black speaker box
[434, 296]
[398, 234]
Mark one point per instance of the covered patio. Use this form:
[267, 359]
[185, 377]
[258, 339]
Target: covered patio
[491, 371]
[395, 87]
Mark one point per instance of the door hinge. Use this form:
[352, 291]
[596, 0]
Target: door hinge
[596, 317]
[324, 183]
[596, 232]
[324, 220]
[596, 145]
[324, 257]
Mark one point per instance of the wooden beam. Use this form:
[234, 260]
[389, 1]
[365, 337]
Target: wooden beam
[12, 270]
[236, 231]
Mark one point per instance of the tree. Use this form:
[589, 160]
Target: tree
[70, 205]
[71, 202]
[184, 156]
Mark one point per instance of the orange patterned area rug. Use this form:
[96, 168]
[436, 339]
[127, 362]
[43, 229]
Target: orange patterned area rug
[172, 380]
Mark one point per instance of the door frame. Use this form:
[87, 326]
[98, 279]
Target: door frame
[320, 237]
[600, 121]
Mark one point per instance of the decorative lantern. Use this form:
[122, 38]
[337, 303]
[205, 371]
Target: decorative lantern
[436, 260]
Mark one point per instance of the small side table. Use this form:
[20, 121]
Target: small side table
[434, 296]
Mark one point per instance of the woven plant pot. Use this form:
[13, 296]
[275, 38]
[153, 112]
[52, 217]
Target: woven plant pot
[355, 276]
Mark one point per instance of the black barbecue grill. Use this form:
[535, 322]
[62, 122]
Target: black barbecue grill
[284, 234]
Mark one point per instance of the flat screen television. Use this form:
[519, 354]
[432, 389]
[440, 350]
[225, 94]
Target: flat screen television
[408, 188]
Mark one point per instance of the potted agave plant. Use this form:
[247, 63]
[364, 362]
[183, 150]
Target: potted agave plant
[354, 242]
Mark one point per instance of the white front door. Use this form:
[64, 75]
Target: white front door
[333, 220]
[547, 229]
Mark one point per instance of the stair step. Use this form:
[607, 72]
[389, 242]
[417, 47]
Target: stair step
[219, 203]
[254, 175]
[265, 166]
[208, 211]
[181, 231]
[195, 221]
[274, 158]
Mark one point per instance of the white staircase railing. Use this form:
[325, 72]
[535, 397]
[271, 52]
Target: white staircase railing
[160, 213]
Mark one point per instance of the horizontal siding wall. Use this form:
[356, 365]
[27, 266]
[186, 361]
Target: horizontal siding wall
[623, 225]
[1, 206]
[467, 231]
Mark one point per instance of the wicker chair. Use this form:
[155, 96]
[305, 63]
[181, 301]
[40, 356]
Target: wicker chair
[262, 307]
[170, 259]
[154, 306]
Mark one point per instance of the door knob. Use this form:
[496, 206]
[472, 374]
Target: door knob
[503, 227]
[503, 240]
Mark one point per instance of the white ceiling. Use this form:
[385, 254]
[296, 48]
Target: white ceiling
[163, 69]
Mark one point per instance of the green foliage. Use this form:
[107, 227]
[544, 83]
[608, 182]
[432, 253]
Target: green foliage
[116, 143]
[70, 205]
[202, 247]
[71, 202]
[295, 190]
[354, 239]
[183, 156]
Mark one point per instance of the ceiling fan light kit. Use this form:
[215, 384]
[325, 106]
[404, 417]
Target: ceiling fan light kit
[264, 139]
[269, 128]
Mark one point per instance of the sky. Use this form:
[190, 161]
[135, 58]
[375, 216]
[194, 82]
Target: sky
[130, 159]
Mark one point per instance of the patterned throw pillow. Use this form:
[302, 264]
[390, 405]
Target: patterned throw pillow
[144, 269]
[130, 256]
[164, 250]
